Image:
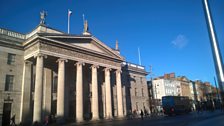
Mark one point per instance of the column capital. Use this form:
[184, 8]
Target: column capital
[118, 71]
[62, 60]
[79, 64]
[94, 66]
[40, 55]
[107, 69]
[27, 62]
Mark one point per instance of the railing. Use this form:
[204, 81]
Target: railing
[133, 65]
[12, 34]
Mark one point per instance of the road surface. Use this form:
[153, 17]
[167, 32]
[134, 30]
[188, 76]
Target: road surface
[193, 119]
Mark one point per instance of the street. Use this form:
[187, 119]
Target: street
[192, 119]
[216, 121]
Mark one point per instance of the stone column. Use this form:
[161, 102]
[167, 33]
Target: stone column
[124, 100]
[108, 94]
[95, 101]
[25, 113]
[47, 97]
[38, 93]
[61, 90]
[79, 92]
[119, 94]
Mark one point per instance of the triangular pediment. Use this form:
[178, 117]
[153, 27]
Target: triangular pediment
[87, 43]
[91, 45]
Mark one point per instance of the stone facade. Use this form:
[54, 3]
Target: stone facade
[134, 80]
[11, 93]
[70, 76]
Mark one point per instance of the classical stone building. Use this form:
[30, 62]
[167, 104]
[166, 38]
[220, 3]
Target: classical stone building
[70, 76]
[136, 89]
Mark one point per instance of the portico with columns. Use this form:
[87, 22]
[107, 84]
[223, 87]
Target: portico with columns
[84, 71]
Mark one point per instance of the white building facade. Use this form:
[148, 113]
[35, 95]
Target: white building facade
[166, 87]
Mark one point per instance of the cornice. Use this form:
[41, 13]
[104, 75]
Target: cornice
[43, 40]
[10, 45]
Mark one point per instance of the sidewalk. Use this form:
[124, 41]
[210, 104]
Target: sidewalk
[88, 122]
[195, 118]
[108, 120]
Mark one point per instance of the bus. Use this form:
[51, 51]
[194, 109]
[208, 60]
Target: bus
[173, 105]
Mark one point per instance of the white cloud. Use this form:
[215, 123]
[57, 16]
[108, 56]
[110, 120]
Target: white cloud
[180, 41]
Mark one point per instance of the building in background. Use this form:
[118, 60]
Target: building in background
[200, 90]
[184, 85]
[169, 85]
[166, 85]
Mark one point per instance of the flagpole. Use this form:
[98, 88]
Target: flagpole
[68, 21]
[139, 57]
[83, 18]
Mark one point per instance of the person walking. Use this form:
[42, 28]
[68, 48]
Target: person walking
[13, 120]
[46, 120]
[142, 114]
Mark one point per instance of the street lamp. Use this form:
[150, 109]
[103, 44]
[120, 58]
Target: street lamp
[154, 90]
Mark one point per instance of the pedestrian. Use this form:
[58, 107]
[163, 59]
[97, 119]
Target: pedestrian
[13, 120]
[142, 114]
[36, 123]
[135, 113]
[145, 112]
[46, 120]
[130, 115]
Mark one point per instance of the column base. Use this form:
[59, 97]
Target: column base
[60, 120]
[79, 120]
[120, 117]
[95, 119]
[109, 117]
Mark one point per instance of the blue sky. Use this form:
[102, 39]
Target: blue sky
[171, 34]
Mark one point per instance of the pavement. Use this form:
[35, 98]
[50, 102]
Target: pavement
[181, 120]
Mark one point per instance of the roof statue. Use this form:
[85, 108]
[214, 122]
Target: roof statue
[116, 48]
[43, 15]
[86, 28]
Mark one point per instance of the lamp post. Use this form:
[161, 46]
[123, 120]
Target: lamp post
[154, 92]
[156, 100]
[217, 92]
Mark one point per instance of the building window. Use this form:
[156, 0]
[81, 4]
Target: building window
[141, 80]
[136, 105]
[11, 58]
[9, 82]
[136, 92]
[55, 84]
[33, 83]
[128, 91]
[142, 92]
